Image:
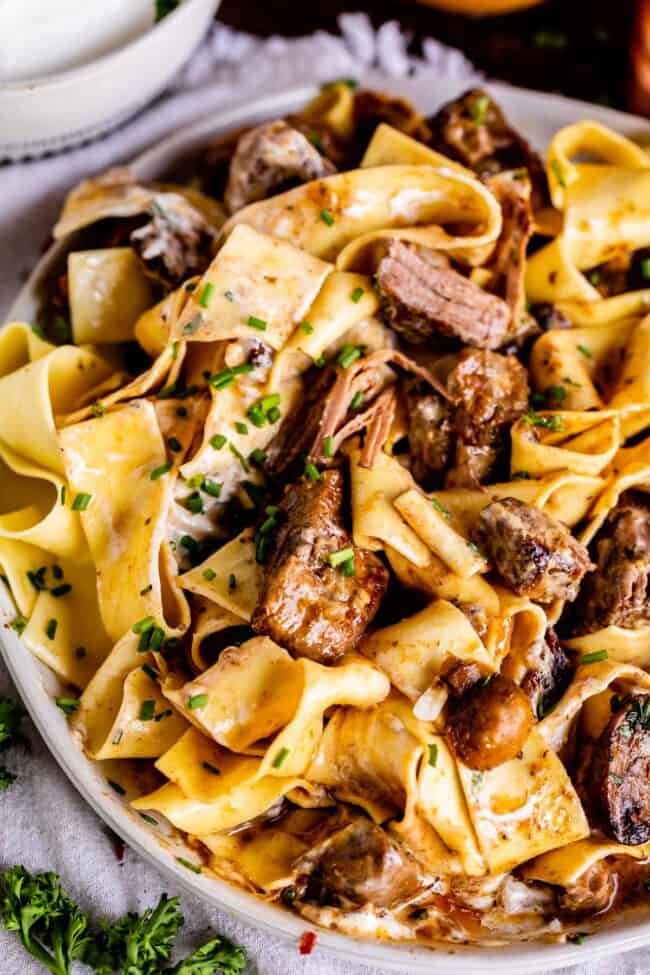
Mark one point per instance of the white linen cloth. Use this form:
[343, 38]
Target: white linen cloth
[44, 823]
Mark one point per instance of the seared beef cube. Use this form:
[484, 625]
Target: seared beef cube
[269, 158]
[548, 674]
[308, 606]
[617, 593]
[361, 864]
[473, 130]
[489, 723]
[430, 433]
[422, 300]
[536, 555]
[619, 777]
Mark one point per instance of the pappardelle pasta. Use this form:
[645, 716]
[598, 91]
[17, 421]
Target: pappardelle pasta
[326, 490]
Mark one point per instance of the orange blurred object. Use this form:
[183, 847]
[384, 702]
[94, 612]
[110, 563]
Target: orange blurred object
[639, 91]
[481, 8]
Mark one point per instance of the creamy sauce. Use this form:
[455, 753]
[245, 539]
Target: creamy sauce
[41, 37]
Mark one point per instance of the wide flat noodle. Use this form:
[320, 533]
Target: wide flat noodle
[581, 442]
[108, 291]
[565, 866]
[237, 580]
[125, 520]
[364, 206]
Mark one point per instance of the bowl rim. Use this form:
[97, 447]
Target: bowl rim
[31, 677]
[78, 72]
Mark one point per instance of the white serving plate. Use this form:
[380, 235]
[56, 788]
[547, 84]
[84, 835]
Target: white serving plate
[43, 115]
[538, 116]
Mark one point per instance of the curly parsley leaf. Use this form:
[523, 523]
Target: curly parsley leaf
[11, 714]
[137, 944]
[218, 955]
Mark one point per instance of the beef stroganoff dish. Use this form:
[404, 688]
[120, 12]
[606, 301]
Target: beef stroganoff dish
[326, 495]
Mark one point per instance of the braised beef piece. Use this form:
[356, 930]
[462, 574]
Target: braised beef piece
[535, 554]
[361, 864]
[299, 429]
[618, 780]
[463, 676]
[422, 299]
[468, 437]
[593, 891]
[489, 723]
[373, 107]
[308, 606]
[548, 675]
[508, 260]
[175, 242]
[473, 130]
[618, 592]
[268, 158]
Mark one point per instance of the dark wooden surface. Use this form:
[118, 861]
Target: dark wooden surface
[576, 47]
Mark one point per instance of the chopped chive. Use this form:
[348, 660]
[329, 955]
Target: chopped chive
[206, 295]
[594, 658]
[328, 446]
[147, 710]
[19, 624]
[326, 217]
[254, 491]
[61, 590]
[577, 939]
[209, 575]
[556, 393]
[348, 568]
[241, 428]
[280, 757]
[190, 866]
[644, 267]
[356, 400]
[587, 353]
[156, 637]
[149, 819]
[190, 327]
[143, 642]
[174, 445]
[232, 581]
[242, 369]
[348, 355]
[268, 402]
[218, 441]
[211, 487]
[521, 476]
[81, 501]
[194, 503]
[150, 672]
[116, 787]
[433, 754]
[197, 701]
[190, 544]
[222, 379]
[63, 493]
[253, 322]
[174, 350]
[255, 414]
[343, 554]
[473, 548]
[240, 457]
[257, 456]
[167, 392]
[274, 414]
[181, 411]
[307, 328]
[57, 572]
[50, 629]
[553, 423]
[319, 361]
[211, 768]
[37, 330]
[37, 578]
[159, 472]
[67, 704]
[439, 506]
[312, 472]
[190, 286]
[146, 623]
[557, 172]
[357, 295]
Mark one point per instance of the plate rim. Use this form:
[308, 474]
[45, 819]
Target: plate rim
[31, 677]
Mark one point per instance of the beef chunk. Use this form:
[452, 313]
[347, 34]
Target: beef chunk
[593, 891]
[618, 593]
[361, 864]
[175, 243]
[489, 723]
[308, 606]
[473, 130]
[619, 777]
[373, 107]
[548, 675]
[536, 555]
[422, 299]
[268, 158]
[299, 429]
[467, 437]
[508, 262]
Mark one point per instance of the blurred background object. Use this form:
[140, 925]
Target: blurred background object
[481, 8]
[579, 48]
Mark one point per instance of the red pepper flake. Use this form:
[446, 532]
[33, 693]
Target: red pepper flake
[307, 943]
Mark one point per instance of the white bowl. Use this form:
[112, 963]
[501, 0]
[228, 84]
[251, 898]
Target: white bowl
[47, 114]
[538, 116]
